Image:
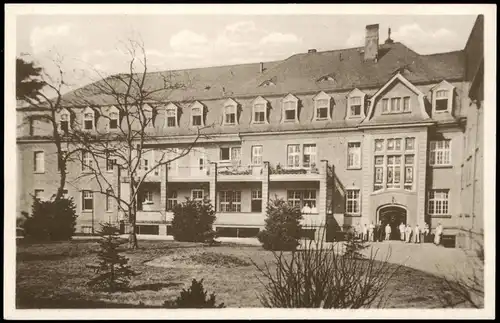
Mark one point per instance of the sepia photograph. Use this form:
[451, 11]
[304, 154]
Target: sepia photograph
[245, 160]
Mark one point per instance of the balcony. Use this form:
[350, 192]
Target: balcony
[189, 174]
[229, 171]
[281, 173]
[240, 218]
[150, 217]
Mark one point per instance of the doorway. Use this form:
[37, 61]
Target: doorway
[394, 216]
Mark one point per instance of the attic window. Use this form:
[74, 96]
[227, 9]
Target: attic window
[442, 97]
[355, 106]
[259, 110]
[322, 106]
[326, 78]
[113, 120]
[230, 115]
[88, 120]
[64, 122]
[290, 109]
[267, 83]
[171, 116]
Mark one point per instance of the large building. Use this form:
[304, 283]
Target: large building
[359, 135]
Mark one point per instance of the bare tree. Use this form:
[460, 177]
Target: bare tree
[127, 146]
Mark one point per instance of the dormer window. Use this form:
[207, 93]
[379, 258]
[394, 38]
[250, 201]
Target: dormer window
[171, 115]
[259, 110]
[230, 112]
[441, 100]
[290, 113]
[355, 107]
[326, 78]
[442, 95]
[197, 114]
[113, 120]
[356, 104]
[322, 106]
[88, 119]
[64, 122]
[271, 82]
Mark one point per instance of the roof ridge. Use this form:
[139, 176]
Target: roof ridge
[444, 53]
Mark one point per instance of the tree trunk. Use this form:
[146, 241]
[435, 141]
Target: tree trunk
[132, 239]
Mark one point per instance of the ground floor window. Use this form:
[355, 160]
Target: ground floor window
[438, 202]
[87, 201]
[256, 201]
[171, 200]
[303, 199]
[237, 232]
[197, 195]
[230, 201]
[352, 202]
[147, 229]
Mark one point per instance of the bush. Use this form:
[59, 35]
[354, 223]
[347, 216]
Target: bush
[283, 229]
[193, 221]
[113, 273]
[194, 297]
[321, 276]
[51, 220]
[354, 246]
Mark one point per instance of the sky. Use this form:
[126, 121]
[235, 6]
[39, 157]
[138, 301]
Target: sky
[89, 43]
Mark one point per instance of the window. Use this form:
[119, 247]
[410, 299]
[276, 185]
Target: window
[197, 195]
[394, 164]
[197, 116]
[322, 107]
[290, 109]
[409, 164]
[109, 199]
[256, 155]
[441, 100]
[39, 194]
[64, 154]
[259, 111]
[309, 157]
[230, 153]
[230, 201]
[230, 115]
[171, 117]
[147, 197]
[110, 161]
[171, 200]
[354, 155]
[113, 120]
[301, 198]
[64, 122]
[440, 153]
[396, 105]
[256, 201]
[293, 156]
[145, 164]
[294, 198]
[352, 202]
[87, 161]
[39, 161]
[406, 104]
[385, 105]
[88, 121]
[393, 171]
[379, 173]
[87, 200]
[355, 106]
[438, 202]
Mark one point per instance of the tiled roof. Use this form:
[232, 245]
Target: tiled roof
[307, 72]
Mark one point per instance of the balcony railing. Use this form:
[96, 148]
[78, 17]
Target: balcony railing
[189, 171]
[283, 170]
[235, 168]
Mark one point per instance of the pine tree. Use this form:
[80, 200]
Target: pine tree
[113, 273]
[194, 297]
[354, 246]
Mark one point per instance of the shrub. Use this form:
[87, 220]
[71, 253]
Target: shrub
[283, 229]
[113, 273]
[50, 220]
[320, 276]
[193, 221]
[194, 297]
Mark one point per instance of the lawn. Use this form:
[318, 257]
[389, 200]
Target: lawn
[53, 275]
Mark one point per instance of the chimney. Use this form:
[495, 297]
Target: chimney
[389, 40]
[371, 43]
[261, 67]
[313, 50]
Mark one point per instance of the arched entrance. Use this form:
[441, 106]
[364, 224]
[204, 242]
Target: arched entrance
[394, 215]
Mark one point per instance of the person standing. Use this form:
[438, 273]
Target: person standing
[408, 233]
[426, 232]
[306, 209]
[376, 231]
[359, 231]
[416, 234]
[365, 233]
[381, 231]
[402, 229]
[437, 235]
[370, 232]
[388, 231]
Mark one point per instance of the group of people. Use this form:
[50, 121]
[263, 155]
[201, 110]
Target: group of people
[309, 210]
[407, 234]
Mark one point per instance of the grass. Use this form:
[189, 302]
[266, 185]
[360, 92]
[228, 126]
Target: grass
[53, 275]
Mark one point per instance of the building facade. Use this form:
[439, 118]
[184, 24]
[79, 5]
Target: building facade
[358, 135]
